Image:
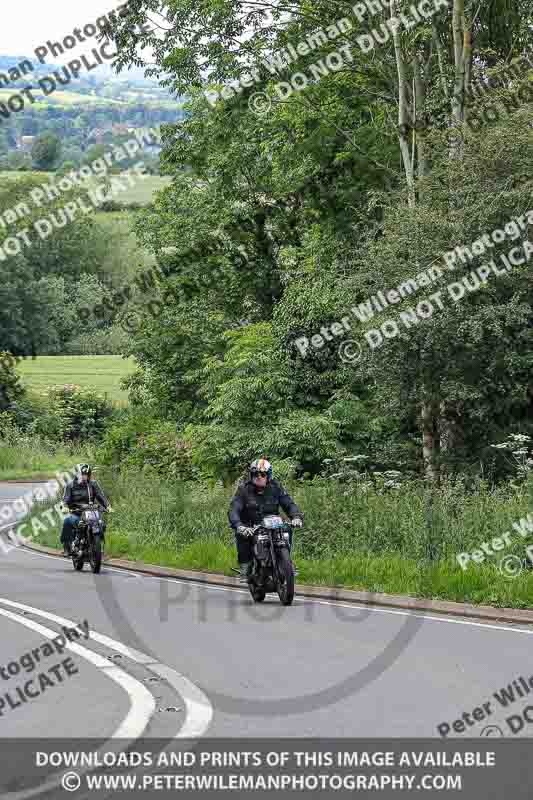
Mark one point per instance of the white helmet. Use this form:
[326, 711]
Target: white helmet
[261, 467]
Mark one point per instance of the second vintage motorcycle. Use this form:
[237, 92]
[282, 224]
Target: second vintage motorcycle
[89, 540]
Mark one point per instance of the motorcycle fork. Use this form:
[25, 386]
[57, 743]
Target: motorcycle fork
[275, 571]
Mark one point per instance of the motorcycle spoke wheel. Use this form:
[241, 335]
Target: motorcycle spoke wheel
[286, 579]
[96, 555]
[257, 593]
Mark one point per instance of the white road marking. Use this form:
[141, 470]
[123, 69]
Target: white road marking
[309, 599]
[337, 603]
[141, 709]
[142, 701]
[199, 711]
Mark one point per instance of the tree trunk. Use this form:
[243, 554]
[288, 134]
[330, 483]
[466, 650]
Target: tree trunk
[462, 52]
[403, 116]
[431, 438]
[430, 411]
[462, 40]
[419, 99]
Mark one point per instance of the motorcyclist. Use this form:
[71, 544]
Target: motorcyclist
[81, 490]
[253, 500]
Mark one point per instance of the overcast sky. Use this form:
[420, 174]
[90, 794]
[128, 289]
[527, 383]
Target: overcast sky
[29, 23]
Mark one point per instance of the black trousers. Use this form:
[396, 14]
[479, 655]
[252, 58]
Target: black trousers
[245, 549]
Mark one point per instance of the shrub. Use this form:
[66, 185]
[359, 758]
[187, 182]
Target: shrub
[9, 431]
[73, 414]
[141, 441]
[106, 342]
[114, 205]
[10, 386]
[121, 438]
[164, 451]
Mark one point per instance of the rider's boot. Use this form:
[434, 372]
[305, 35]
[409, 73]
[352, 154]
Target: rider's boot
[244, 570]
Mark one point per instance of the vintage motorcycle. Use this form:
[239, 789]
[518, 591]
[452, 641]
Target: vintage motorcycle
[272, 569]
[89, 539]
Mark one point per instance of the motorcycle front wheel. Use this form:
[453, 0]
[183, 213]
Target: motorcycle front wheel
[286, 578]
[96, 555]
[78, 563]
[257, 593]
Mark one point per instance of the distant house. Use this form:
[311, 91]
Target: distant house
[25, 143]
[120, 129]
[96, 135]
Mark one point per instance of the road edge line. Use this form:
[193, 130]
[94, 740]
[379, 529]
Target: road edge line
[333, 594]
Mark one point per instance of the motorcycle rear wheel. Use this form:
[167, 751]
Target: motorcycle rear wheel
[96, 555]
[286, 584]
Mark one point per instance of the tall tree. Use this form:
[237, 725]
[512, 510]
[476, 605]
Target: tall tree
[419, 73]
[46, 151]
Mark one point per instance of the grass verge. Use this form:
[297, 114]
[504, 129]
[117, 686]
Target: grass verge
[185, 526]
[33, 459]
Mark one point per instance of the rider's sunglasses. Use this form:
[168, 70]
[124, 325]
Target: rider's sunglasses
[258, 473]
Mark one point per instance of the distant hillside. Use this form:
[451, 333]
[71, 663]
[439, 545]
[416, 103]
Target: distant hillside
[14, 62]
[92, 110]
[128, 86]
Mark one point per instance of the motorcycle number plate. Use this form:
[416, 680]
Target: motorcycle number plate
[273, 522]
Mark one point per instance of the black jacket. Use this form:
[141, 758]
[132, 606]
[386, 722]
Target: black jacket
[248, 506]
[77, 493]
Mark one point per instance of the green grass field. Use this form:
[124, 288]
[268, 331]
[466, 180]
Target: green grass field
[75, 99]
[13, 174]
[142, 191]
[67, 99]
[102, 373]
[125, 258]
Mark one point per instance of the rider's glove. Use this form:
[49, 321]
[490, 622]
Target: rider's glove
[296, 522]
[244, 531]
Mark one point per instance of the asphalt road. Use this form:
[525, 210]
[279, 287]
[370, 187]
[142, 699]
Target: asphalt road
[167, 658]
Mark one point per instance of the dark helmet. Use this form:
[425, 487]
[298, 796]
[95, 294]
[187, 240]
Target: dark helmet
[85, 469]
[261, 467]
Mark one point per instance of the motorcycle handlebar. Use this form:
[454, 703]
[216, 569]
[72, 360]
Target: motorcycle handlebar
[89, 507]
[255, 528]
[252, 529]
